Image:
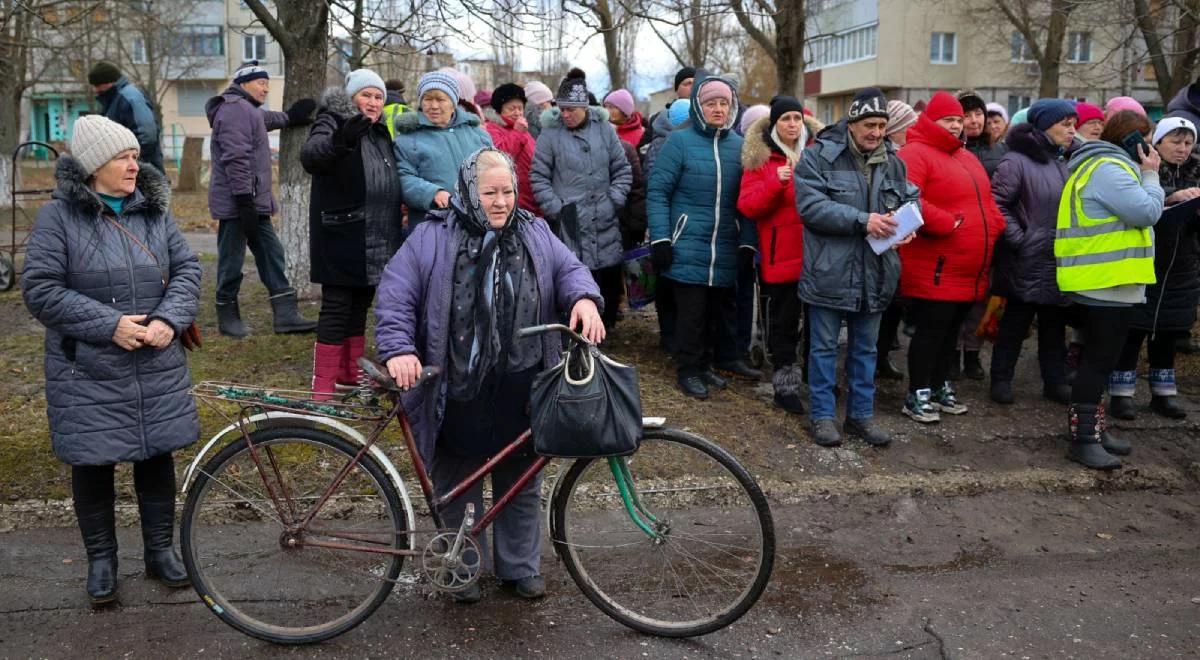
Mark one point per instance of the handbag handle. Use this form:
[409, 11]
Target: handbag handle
[588, 360]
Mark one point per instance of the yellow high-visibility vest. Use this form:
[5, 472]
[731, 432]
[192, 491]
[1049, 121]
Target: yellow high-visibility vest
[1098, 253]
[390, 112]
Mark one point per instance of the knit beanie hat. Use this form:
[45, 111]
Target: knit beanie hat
[868, 102]
[441, 81]
[537, 93]
[997, 109]
[1088, 112]
[900, 116]
[360, 79]
[573, 91]
[942, 105]
[96, 139]
[1168, 124]
[466, 86]
[682, 75]
[1119, 103]
[103, 72]
[1045, 113]
[250, 71]
[1020, 117]
[753, 114]
[679, 111]
[505, 93]
[783, 104]
[969, 100]
[714, 89]
[483, 97]
[622, 100]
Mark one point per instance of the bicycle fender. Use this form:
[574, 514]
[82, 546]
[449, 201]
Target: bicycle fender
[274, 419]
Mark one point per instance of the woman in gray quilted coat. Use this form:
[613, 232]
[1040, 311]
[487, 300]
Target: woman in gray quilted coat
[110, 276]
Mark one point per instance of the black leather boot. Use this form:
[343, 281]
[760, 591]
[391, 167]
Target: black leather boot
[98, 525]
[287, 316]
[693, 386]
[886, 369]
[1167, 406]
[1085, 447]
[1122, 407]
[158, 532]
[1111, 443]
[229, 320]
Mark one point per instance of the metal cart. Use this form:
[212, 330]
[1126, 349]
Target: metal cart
[8, 253]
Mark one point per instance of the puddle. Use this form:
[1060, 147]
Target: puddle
[964, 559]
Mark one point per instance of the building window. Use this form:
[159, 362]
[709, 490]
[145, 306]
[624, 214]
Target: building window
[254, 47]
[138, 48]
[1018, 102]
[1020, 49]
[942, 48]
[199, 41]
[850, 46]
[192, 97]
[1079, 46]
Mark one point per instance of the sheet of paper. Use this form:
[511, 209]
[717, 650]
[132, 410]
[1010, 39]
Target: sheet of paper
[908, 218]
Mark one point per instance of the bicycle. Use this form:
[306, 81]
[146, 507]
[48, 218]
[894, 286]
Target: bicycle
[296, 530]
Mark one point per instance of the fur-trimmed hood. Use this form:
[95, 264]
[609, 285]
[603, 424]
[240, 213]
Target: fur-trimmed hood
[335, 100]
[757, 147]
[552, 117]
[153, 189]
[411, 122]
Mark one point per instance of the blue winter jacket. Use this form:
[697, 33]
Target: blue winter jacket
[428, 157]
[129, 107]
[691, 198]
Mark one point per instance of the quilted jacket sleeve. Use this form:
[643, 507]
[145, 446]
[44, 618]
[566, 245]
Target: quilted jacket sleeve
[44, 285]
[181, 300]
[619, 171]
[668, 166]
[233, 128]
[401, 294]
[541, 175]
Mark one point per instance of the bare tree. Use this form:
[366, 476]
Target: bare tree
[688, 28]
[782, 39]
[1042, 25]
[1171, 31]
[614, 23]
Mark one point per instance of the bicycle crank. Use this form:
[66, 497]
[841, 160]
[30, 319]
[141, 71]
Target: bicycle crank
[452, 560]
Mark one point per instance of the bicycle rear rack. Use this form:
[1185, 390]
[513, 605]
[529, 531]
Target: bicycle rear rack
[358, 405]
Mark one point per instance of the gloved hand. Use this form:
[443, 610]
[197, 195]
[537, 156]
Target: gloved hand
[247, 215]
[301, 112]
[661, 255]
[352, 131]
[745, 259]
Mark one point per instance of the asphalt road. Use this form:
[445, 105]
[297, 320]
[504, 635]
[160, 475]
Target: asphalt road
[997, 575]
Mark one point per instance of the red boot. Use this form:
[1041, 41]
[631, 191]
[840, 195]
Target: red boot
[352, 349]
[327, 362]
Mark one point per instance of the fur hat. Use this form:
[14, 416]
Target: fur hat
[573, 91]
[96, 139]
[507, 92]
[868, 102]
[103, 72]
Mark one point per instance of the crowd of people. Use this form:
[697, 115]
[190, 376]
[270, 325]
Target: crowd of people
[469, 214]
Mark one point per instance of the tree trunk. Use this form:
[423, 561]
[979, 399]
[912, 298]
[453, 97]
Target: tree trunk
[1052, 53]
[612, 44]
[13, 62]
[789, 47]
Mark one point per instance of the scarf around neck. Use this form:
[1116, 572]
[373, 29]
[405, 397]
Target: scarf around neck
[792, 155]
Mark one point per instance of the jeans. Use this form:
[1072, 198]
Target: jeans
[1105, 329]
[231, 254]
[932, 349]
[1052, 338]
[343, 312]
[862, 332]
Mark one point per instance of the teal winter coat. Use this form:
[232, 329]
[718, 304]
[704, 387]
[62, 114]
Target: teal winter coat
[691, 199]
[428, 157]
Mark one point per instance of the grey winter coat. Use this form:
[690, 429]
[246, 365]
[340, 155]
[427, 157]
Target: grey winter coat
[354, 212]
[1028, 186]
[834, 201]
[585, 167]
[241, 152]
[106, 404]
[661, 129]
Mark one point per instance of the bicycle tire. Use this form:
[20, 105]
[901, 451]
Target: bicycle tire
[247, 598]
[601, 579]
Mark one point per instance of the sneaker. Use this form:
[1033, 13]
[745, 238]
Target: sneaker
[919, 407]
[825, 433]
[693, 386]
[944, 400]
[867, 430]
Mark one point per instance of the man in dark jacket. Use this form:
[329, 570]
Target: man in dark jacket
[240, 197]
[848, 184]
[127, 105]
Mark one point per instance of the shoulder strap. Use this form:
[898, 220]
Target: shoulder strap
[136, 241]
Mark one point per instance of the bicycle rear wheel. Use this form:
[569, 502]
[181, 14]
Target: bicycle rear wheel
[712, 547]
[269, 581]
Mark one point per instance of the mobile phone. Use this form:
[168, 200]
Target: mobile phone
[1130, 144]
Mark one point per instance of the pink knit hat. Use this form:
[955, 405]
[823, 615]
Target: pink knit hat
[622, 100]
[714, 89]
[538, 93]
[1119, 103]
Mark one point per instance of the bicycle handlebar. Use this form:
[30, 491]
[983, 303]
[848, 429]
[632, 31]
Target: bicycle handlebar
[380, 375]
[552, 327]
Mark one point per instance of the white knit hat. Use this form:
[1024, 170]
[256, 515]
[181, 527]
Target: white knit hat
[1168, 124]
[96, 139]
[360, 79]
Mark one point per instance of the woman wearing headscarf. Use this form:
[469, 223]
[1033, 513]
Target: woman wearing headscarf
[455, 296]
[768, 197]
[698, 236]
[432, 142]
[354, 220]
[1027, 187]
[581, 179]
[110, 276]
[945, 269]
[1104, 254]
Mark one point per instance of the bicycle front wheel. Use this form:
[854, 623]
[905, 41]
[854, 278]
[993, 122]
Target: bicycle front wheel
[703, 553]
[258, 570]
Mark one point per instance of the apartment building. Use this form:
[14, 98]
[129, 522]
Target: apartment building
[912, 48]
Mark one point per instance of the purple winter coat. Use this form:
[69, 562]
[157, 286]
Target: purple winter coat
[1186, 104]
[412, 306]
[241, 152]
[1028, 185]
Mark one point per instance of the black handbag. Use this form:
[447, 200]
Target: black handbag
[588, 406]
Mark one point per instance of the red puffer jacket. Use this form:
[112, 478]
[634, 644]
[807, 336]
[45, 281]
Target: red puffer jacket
[632, 130]
[771, 203]
[519, 146]
[951, 257]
